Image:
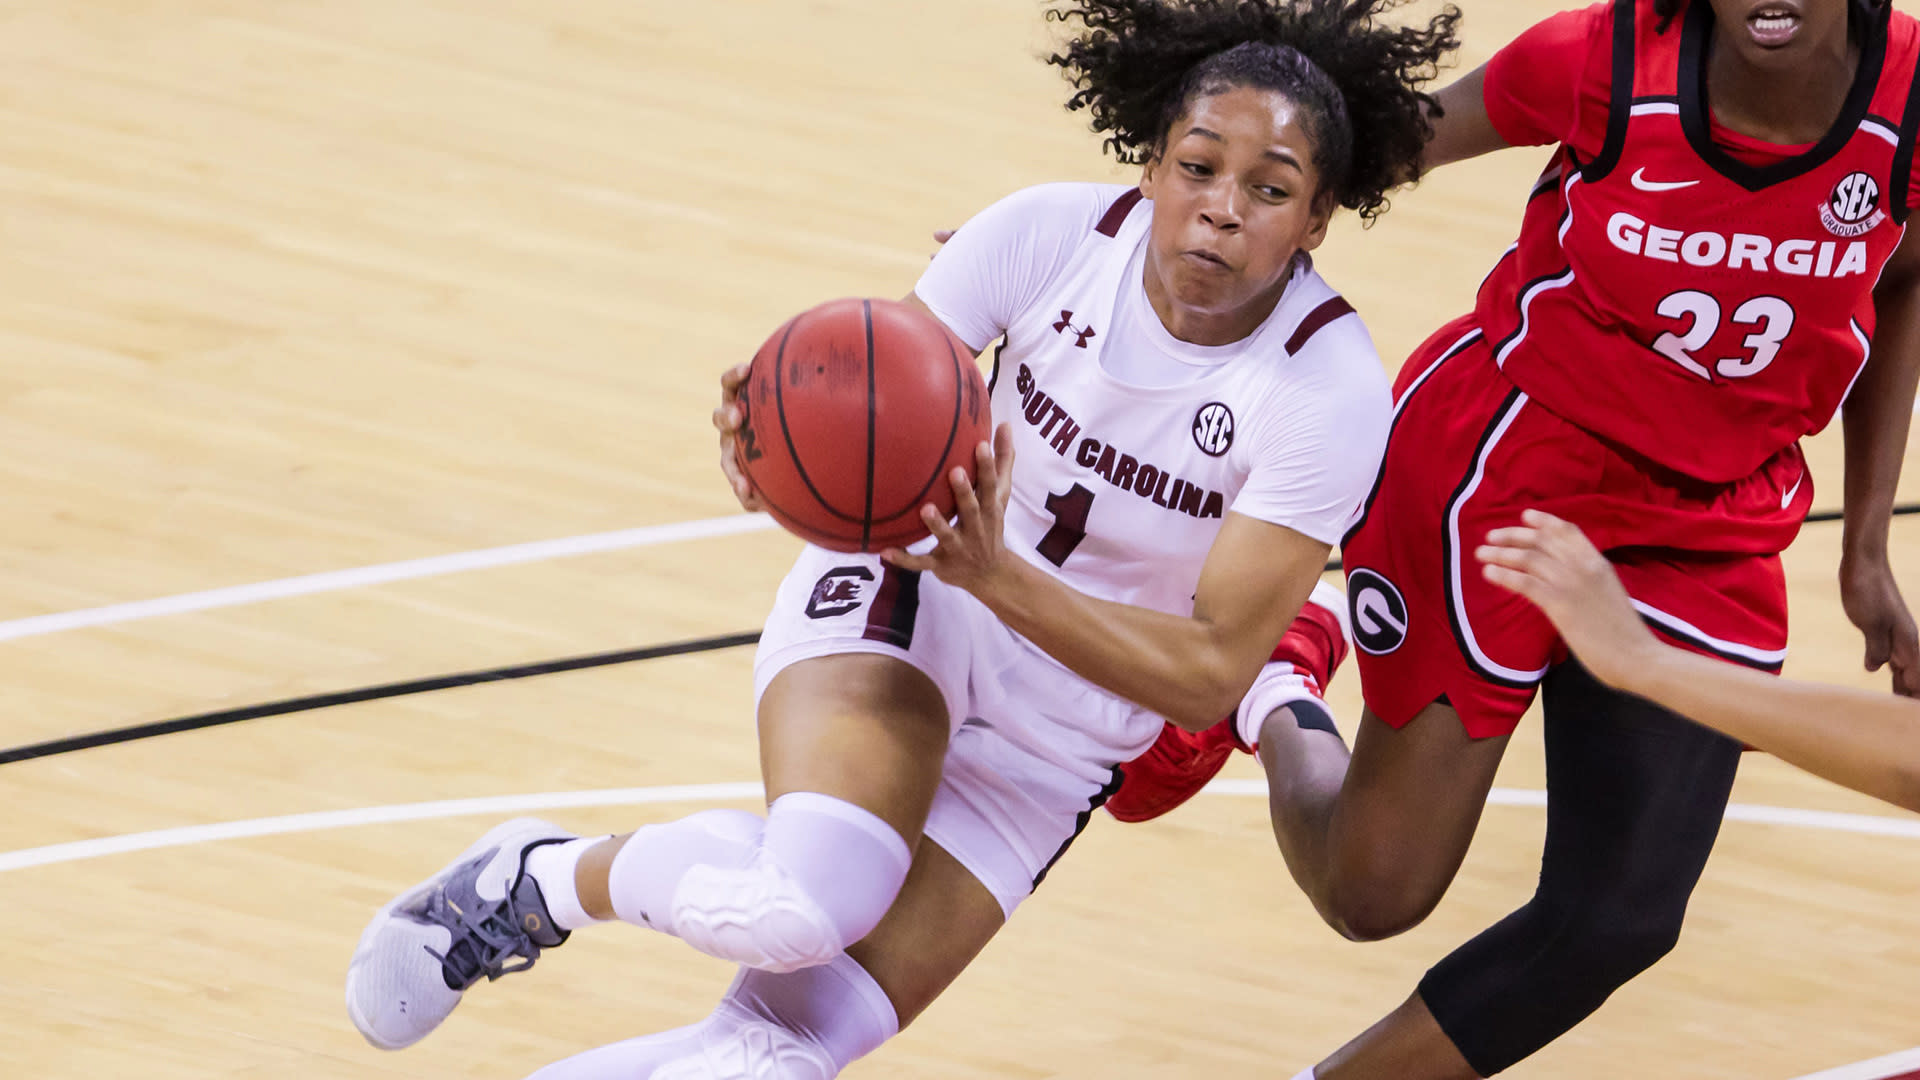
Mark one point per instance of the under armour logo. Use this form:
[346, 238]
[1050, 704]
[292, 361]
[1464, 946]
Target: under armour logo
[1080, 335]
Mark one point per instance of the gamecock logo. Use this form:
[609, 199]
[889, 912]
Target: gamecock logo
[838, 591]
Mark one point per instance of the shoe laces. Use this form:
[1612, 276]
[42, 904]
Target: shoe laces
[483, 941]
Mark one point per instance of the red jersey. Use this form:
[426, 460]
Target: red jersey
[1697, 297]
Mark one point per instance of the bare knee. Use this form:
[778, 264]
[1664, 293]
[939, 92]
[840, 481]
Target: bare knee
[1407, 811]
[1374, 902]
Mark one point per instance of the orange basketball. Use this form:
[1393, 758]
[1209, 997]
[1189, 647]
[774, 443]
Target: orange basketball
[854, 413]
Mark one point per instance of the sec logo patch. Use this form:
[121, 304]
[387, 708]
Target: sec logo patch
[1853, 207]
[1213, 429]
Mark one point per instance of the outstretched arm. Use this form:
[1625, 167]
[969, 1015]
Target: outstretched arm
[1875, 419]
[1461, 127]
[1192, 670]
[1552, 84]
[1863, 740]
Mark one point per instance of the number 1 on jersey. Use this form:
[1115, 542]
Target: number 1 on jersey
[1069, 524]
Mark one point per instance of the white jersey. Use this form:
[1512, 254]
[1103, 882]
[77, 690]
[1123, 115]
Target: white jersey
[1121, 484]
[1133, 447]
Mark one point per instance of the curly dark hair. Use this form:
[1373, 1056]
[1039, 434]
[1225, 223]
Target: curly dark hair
[1138, 64]
[1859, 13]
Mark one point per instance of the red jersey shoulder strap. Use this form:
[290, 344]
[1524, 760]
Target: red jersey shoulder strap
[1656, 75]
[1621, 92]
[1903, 62]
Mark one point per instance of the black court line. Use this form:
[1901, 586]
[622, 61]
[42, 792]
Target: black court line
[372, 693]
[469, 678]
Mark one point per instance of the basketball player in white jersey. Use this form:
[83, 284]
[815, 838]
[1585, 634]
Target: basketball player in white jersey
[1196, 415]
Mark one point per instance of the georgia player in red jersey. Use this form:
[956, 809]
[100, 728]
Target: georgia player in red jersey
[1860, 739]
[1709, 268]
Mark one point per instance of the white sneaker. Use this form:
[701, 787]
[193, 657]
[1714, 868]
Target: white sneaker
[423, 950]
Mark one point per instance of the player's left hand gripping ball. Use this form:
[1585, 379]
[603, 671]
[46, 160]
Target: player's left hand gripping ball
[970, 552]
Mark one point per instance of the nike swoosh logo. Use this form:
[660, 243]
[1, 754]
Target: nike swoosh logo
[1787, 499]
[1640, 181]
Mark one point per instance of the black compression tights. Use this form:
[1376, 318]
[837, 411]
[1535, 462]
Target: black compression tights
[1635, 794]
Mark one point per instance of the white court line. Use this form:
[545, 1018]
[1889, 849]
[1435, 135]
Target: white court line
[369, 815]
[383, 573]
[561, 800]
[496, 805]
[1747, 813]
[1877, 1069]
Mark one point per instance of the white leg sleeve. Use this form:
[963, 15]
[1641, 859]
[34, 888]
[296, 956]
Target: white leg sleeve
[636, 1059]
[803, 1025]
[653, 861]
[824, 873]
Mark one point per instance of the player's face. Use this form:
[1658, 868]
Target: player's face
[1235, 195]
[1776, 33]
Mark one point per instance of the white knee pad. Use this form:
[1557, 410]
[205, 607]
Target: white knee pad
[756, 1050]
[805, 1025]
[824, 874]
[757, 915]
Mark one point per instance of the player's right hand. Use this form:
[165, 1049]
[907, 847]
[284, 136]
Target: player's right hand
[1872, 600]
[1552, 563]
[726, 420]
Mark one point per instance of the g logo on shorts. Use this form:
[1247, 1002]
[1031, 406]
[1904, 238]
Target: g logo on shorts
[1379, 613]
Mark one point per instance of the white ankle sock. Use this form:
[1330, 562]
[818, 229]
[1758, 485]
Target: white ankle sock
[1306, 1075]
[552, 867]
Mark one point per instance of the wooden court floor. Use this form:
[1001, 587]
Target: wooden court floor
[294, 287]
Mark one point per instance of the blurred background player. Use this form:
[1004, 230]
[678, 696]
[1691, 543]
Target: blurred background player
[1866, 741]
[1709, 269]
[933, 744]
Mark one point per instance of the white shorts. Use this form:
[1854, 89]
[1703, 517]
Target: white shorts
[1036, 749]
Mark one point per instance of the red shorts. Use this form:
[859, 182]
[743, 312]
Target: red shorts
[1468, 452]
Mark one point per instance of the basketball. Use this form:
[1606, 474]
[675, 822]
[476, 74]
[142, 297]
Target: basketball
[853, 414]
